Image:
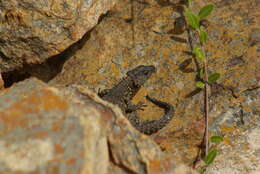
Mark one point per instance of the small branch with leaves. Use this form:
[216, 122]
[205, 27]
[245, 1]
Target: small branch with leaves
[194, 22]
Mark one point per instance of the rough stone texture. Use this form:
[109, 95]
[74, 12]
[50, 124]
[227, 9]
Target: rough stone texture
[240, 150]
[1, 82]
[144, 32]
[70, 130]
[33, 30]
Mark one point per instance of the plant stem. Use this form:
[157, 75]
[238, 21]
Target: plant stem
[192, 42]
[206, 117]
[206, 104]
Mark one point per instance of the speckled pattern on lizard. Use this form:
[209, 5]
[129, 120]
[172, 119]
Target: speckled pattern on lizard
[122, 94]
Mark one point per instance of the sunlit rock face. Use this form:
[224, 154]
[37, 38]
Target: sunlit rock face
[33, 30]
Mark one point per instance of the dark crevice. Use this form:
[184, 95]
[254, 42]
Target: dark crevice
[252, 88]
[44, 71]
[50, 68]
[12, 77]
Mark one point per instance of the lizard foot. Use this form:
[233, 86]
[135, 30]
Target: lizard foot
[101, 93]
[138, 106]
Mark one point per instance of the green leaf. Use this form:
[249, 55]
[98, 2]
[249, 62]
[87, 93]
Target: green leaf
[202, 171]
[213, 77]
[200, 84]
[216, 139]
[198, 53]
[203, 36]
[189, 1]
[192, 19]
[205, 11]
[211, 156]
[201, 73]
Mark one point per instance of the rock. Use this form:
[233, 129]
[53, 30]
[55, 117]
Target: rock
[136, 32]
[32, 31]
[1, 82]
[254, 37]
[239, 126]
[70, 130]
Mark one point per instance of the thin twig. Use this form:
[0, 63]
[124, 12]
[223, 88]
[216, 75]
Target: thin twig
[192, 42]
[206, 101]
[206, 104]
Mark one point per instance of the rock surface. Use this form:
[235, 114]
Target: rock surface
[239, 125]
[146, 32]
[1, 82]
[32, 31]
[151, 32]
[51, 130]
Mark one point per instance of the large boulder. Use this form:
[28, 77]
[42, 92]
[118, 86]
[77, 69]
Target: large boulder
[33, 30]
[48, 130]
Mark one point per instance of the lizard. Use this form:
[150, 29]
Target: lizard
[122, 94]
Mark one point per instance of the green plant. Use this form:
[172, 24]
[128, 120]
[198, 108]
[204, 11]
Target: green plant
[195, 27]
[208, 159]
[194, 22]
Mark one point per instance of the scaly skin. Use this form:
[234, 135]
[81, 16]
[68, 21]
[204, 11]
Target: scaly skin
[126, 89]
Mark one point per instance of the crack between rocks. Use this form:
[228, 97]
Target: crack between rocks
[226, 88]
[251, 89]
[48, 69]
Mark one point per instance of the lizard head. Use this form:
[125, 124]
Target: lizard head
[141, 73]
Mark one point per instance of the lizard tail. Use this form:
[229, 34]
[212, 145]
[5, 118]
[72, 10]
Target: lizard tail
[150, 127]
